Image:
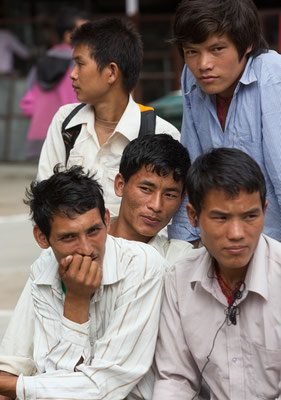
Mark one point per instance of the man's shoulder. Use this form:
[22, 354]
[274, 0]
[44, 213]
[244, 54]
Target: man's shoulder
[273, 250]
[130, 254]
[79, 118]
[163, 126]
[192, 264]
[267, 67]
[45, 264]
[172, 250]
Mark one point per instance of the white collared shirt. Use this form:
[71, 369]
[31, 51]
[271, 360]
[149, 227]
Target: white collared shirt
[117, 343]
[105, 159]
[245, 362]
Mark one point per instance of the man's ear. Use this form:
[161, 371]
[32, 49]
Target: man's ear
[119, 184]
[191, 213]
[107, 219]
[40, 238]
[113, 72]
[265, 206]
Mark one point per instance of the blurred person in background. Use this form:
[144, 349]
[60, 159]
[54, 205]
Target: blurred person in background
[10, 46]
[48, 84]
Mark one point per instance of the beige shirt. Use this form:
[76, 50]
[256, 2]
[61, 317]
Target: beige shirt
[245, 363]
[117, 343]
[105, 159]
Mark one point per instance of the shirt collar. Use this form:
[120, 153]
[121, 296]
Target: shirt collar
[256, 277]
[249, 75]
[128, 125]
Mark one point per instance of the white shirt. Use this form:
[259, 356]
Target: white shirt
[105, 159]
[172, 250]
[245, 362]
[117, 343]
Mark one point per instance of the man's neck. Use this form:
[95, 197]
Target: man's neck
[232, 276]
[112, 108]
[109, 113]
[121, 230]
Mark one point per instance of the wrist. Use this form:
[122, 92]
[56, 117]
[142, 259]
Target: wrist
[76, 308]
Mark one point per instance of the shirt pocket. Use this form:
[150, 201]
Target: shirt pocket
[75, 160]
[265, 365]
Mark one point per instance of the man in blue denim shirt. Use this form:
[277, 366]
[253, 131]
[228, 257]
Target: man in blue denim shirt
[231, 88]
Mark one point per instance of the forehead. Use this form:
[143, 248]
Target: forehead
[81, 50]
[72, 221]
[212, 40]
[219, 199]
[147, 174]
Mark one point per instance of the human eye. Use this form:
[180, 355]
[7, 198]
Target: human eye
[189, 52]
[219, 218]
[68, 237]
[251, 216]
[145, 189]
[171, 195]
[218, 49]
[94, 230]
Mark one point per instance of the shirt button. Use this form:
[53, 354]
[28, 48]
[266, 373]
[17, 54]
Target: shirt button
[234, 359]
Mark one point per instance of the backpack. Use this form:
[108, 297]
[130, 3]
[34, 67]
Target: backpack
[147, 127]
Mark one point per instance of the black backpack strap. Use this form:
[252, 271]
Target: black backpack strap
[70, 135]
[148, 120]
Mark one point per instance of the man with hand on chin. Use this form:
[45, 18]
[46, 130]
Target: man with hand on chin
[88, 316]
[221, 317]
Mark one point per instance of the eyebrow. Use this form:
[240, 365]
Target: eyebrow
[94, 226]
[218, 43]
[150, 184]
[222, 213]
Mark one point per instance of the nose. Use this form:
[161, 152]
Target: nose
[73, 74]
[205, 61]
[155, 202]
[85, 247]
[235, 230]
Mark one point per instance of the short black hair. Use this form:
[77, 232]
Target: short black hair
[67, 18]
[69, 192]
[159, 153]
[113, 39]
[230, 170]
[195, 20]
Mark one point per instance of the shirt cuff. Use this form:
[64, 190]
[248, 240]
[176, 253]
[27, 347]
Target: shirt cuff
[75, 333]
[26, 389]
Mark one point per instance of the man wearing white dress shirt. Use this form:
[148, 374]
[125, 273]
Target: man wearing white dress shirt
[108, 59]
[94, 299]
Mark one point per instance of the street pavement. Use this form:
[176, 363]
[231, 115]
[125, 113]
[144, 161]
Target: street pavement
[17, 247]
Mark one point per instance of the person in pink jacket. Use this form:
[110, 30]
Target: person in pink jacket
[48, 84]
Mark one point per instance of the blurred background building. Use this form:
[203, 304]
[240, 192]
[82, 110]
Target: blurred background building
[32, 23]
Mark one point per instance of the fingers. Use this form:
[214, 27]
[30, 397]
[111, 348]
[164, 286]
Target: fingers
[64, 265]
[80, 274]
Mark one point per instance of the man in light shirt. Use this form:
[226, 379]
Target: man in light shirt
[151, 184]
[221, 317]
[231, 85]
[108, 58]
[92, 302]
